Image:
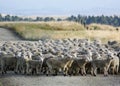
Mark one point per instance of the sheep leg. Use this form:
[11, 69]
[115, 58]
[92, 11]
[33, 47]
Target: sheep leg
[2, 67]
[37, 70]
[95, 71]
[16, 69]
[92, 71]
[27, 68]
[117, 69]
[84, 71]
[105, 71]
[65, 71]
[112, 70]
[77, 71]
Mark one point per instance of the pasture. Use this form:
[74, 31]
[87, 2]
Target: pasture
[61, 30]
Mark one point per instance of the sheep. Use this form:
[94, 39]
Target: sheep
[67, 67]
[22, 58]
[77, 66]
[8, 62]
[28, 53]
[36, 56]
[104, 64]
[112, 42]
[21, 63]
[21, 66]
[96, 55]
[114, 66]
[34, 66]
[118, 54]
[56, 64]
[44, 65]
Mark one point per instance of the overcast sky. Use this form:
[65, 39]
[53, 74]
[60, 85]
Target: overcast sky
[60, 7]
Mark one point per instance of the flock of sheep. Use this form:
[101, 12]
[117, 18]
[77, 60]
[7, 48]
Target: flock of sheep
[63, 56]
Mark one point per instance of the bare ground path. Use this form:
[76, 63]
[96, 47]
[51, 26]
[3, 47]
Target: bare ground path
[7, 35]
[42, 80]
[11, 79]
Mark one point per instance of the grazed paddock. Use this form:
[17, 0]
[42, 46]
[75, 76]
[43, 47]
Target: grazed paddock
[61, 30]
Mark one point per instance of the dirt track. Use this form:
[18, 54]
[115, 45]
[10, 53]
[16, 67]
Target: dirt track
[11, 79]
[42, 80]
[7, 35]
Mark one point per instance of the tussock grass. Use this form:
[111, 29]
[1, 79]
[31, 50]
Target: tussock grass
[101, 27]
[37, 30]
[65, 25]
[61, 30]
[103, 35]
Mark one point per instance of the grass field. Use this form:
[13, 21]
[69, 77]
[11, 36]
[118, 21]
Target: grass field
[61, 30]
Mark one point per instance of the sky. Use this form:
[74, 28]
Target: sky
[60, 7]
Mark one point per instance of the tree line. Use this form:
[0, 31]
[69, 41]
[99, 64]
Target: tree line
[109, 20]
[17, 18]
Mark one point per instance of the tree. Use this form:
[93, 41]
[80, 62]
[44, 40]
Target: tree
[26, 19]
[8, 18]
[59, 19]
[52, 19]
[1, 17]
[110, 20]
[39, 19]
[79, 17]
[49, 19]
